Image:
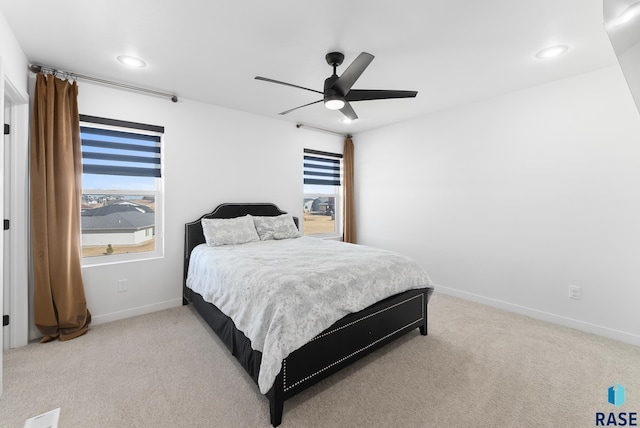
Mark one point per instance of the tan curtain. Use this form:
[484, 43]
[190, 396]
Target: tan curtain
[60, 307]
[349, 234]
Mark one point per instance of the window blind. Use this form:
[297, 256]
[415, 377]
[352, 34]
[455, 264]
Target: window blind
[322, 168]
[111, 152]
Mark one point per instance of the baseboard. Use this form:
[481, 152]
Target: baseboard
[140, 310]
[621, 336]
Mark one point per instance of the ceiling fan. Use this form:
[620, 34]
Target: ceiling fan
[337, 92]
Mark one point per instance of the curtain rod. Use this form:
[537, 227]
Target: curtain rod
[44, 69]
[300, 125]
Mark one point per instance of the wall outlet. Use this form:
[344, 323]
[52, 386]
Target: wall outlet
[122, 285]
[575, 292]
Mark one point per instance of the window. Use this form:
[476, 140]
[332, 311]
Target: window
[121, 210]
[322, 193]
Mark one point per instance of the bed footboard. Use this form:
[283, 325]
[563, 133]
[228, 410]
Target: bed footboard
[346, 341]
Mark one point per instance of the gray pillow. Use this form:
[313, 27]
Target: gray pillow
[277, 227]
[229, 231]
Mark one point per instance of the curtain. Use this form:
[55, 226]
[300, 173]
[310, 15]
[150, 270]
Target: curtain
[60, 307]
[349, 234]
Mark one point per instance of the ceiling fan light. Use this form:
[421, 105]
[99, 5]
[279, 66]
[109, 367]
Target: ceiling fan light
[334, 102]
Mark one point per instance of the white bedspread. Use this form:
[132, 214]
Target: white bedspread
[281, 294]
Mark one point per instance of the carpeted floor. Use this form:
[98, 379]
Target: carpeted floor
[479, 367]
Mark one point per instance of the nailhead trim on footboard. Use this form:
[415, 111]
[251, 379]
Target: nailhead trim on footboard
[284, 363]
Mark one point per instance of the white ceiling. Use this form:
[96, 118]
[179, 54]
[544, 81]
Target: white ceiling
[451, 51]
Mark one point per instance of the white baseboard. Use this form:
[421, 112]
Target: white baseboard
[140, 310]
[621, 336]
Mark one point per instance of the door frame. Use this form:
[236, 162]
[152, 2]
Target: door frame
[18, 215]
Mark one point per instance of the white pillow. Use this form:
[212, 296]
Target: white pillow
[277, 227]
[229, 231]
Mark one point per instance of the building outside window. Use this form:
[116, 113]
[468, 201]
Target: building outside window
[121, 210]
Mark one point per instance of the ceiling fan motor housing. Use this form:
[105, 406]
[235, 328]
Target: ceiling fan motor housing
[334, 58]
[332, 94]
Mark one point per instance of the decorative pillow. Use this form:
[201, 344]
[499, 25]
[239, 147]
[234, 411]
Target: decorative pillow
[229, 231]
[277, 227]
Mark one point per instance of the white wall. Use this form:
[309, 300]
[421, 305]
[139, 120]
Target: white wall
[510, 200]
[212, 155]
[14, 61]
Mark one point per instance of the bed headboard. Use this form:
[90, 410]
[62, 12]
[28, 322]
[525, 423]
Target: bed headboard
[194, 236]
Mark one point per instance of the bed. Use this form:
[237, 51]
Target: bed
[284, 367]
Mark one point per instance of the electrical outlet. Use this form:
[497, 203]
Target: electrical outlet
[575, 292]
[122, 285]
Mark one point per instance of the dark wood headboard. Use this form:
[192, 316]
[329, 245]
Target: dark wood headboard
[194, 236]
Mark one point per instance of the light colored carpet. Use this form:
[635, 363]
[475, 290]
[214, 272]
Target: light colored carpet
[479, 367]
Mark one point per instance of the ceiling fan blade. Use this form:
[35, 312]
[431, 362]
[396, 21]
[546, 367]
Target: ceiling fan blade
[375, 94]
[348, 111]
[286, 84]
[353, 72]
[296, 108]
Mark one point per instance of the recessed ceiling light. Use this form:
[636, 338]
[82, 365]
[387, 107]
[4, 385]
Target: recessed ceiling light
[346, 120]
[132, 61]
[552, 51]
[626, 16]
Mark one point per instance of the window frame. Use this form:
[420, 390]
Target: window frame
[157, 193]
[337, 194]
